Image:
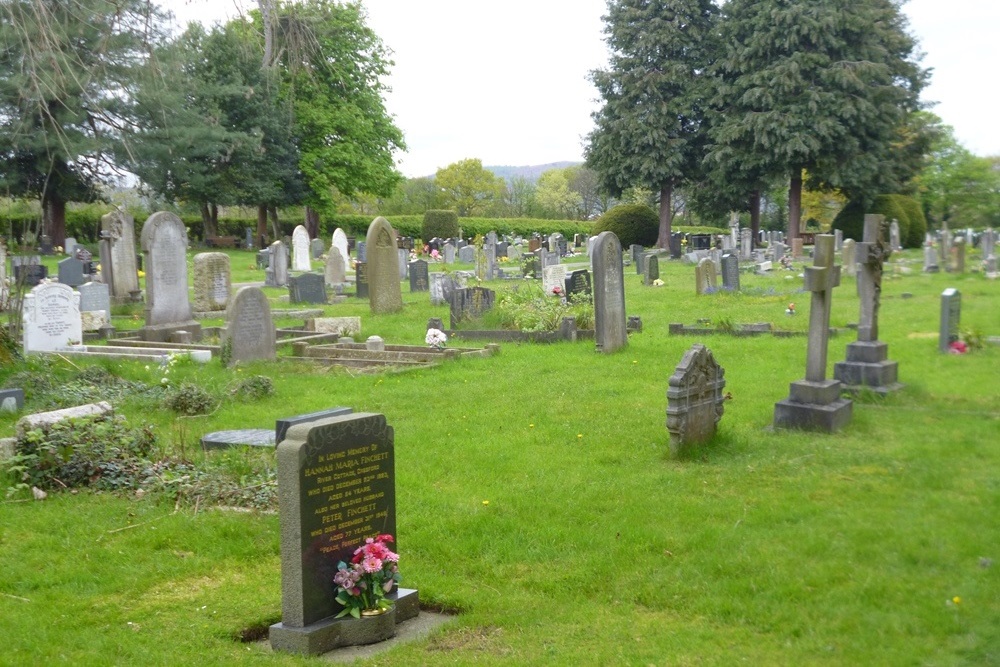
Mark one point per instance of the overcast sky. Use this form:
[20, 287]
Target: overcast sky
[506, 82]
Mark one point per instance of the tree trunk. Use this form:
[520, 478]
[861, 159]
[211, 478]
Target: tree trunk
[754, 217]
[262, 225]
[666, 216]
[54, 224]
[267, 16]
[272, 212]
[794, 203]
[312, 222]
[209, 221]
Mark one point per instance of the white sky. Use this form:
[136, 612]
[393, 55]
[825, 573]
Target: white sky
[506, 82]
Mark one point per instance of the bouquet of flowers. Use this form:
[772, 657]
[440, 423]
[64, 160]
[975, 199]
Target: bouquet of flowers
[436, 338]
[363, 583]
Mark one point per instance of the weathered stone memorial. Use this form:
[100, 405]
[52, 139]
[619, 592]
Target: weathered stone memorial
[814, 404]
[930, 259]
[50, 318]
[384, 293]
[554, 277]
[11, 400]
[212, 281]
[300, 249]
[705, 279]
[470, 303]
[610, 333]
[118, 261]
[951, 318]
[249, 333]
[71, 272]
[316, 248]
[867, 366]
[467, 254]
[419, 278]
[651, 270]
[694, 399]
[731, 273]
[339, 241]
[335, 269]
[336, 487]
[848, 255]
[95, 306]
[164, 244]
[307, 288]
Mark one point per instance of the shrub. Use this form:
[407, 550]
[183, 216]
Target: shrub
[189, 399]
[254, 388]
[914, 237]
[631, 223]
[890, 207]
[851, 219]
[441, 224]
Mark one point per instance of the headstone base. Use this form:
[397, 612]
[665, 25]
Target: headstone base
[814, 406]
[163, 333]
[331, 633]
[867, 368]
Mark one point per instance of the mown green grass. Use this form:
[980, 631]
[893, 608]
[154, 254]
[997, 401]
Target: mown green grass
[764, 547]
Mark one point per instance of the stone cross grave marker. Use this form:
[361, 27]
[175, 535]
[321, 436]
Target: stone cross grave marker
[610, 333]
[694, 399]
[212, 281]
[815, 403]
[50, 320]
[300, 249]
[951, 318]
[164, 244]
[249, 333]
[384, 292]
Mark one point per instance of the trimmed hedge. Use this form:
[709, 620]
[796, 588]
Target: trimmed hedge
[440, 224]
[906, 210]
[631, 223]
[914, 237]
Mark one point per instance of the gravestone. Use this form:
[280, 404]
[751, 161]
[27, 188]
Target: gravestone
[282, 425]
[439, 291]
[514, 253]
[990, 267]
[212, 280]
[797, 247]
[95, 305]
[651, 270]
[946, 246]
[307, 288]
[419, 280]
[276, 274]
[336, 487]
[534, 244]
[814, 404]
[384, 293]
[361, 249]
[11, 400]
[549, 258]
[317, 248]
[449, 253]
[300, 249]
[610, 332]
[731, 273]
[335, 269]
[779, 251]
[470, 303]
[578, 285]
[553, 277]
[695, 399]
[676, 246]
[87, 258]
[746, 244]
[248, 238]
[959, 252]
[532, 267]
[987, 242]
[705, 279]
[951, 318]
[50, 318]
[894, 242]
[164, 245]
[930, 258]
[340, 241]
[867, 365]
[402, 261]
[639, 262]
[490, 261]
[249, 333]
[3, 277]
[467, 254]
[838, 239]
[716, 256]
[848, 260]
[635, 250]
[361, 280]
[71, 272]
[119, 267]
[28, 270]
[69, 247]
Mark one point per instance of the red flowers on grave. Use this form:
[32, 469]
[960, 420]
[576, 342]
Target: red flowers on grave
[557, 291]
[363, 584]
[958, 347]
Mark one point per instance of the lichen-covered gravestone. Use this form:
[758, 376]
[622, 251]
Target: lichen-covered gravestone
[694, 399]
[335, 269]
[212, 281]
[249, 332]
[384, 292]
[336, 487]
[119, 261]
[164, 244]
[610, 333]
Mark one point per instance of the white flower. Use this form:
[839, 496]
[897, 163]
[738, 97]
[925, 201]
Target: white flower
[436, 338]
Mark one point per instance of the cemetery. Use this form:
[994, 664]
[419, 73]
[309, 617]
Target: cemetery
[574, 422]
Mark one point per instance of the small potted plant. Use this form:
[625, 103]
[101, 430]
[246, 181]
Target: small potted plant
[363, 583]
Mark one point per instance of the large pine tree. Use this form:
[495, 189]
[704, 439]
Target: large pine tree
[817, 85]
[650, 131]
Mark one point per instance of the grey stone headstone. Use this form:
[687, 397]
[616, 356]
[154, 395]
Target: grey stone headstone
[651, 270]
[244, 437]
[362, 251]
[610, 332]
[249, 332]
[705, 278]
[470, 303]
[553, 277]
[951, 318]
[549, 259]
[514, 253]
[279, 265]
[731, 273]
[340, 241]
[384, 293]
[71, 272]
[894, 241]
[300, 249]
[467, 254]
[335, 270]
[95, 297]
[50, 318]
[307, 288]
[212, 281]
[120, 268]
[930, 259]
[449, 253]
[69, 246]
[746, 246]
[321, 523]
[695, 399]
[437, 289]
[164, 245]
[282, 425]
[11, 400]
[490, 258]
[419, 280]
[578, 284]
[403, 258]
[849, 252]
[317, 248]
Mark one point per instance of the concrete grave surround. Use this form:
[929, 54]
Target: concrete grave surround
[50, 318]
[212, 281]
[814, 404]
[340, 241]
[249, 331]
[694, 399]
[322, 525]
[119, 268]
[300, 249]
[343, 326]
[867, 365]
[164, 245]
[610, 332]
[384, 292]
[335, 269]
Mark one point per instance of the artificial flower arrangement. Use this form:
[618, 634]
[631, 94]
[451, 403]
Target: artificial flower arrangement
[557, 291]
[436, 338]
[363, 583]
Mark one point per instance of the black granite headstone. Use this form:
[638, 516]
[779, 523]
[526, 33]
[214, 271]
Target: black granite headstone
[578, 285]
[470, 303]
[419, 280]
[307, 288]
[281, 426]
[361, 279]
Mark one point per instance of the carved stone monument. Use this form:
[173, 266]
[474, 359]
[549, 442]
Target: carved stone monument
[168, 310]
[694, 399]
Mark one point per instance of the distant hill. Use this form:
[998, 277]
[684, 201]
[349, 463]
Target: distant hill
[531, 172]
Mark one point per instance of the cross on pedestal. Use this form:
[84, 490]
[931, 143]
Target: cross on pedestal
[820, 279]
[872, 252]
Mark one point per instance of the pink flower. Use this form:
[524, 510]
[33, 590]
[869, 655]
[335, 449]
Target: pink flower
[958, 347]
[371, 564]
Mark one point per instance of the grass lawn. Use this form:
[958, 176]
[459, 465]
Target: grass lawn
[536, 497]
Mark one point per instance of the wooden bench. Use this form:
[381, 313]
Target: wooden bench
[221, 241]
